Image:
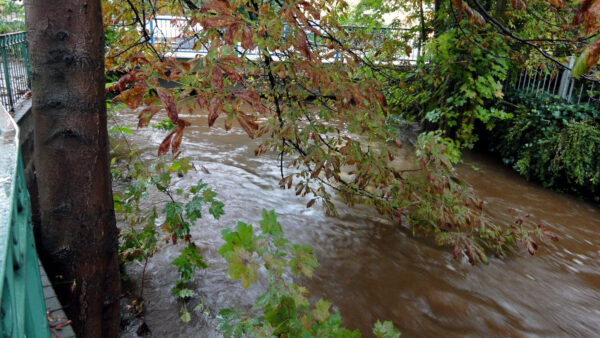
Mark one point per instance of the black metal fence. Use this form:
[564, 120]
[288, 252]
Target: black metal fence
[14, 75]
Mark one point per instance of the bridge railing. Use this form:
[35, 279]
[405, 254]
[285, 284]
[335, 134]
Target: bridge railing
[174, 33]
[14, 75]
[22, 307]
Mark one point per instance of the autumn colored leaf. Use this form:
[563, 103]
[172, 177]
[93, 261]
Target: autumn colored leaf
[557, 3]
[230, 33]
[132, 97]
[250, 96]
[247, 42]
[232, 73]
[302, 44]
[310, 9]
[165, 144]
[247, 123]
[146, 115]
[587, 59]
[177, 139]
[125, 80]
[220, 22]
[169, 103]
[474, 16]
[218, 6]
[518, 4]
[216, 78]
[216, 106]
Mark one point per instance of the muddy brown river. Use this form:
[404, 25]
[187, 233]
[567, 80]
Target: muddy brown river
[370, 269]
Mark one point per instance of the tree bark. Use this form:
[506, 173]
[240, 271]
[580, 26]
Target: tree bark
[78, 234]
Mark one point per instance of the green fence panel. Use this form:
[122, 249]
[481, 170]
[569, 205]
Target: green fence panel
[22, 307]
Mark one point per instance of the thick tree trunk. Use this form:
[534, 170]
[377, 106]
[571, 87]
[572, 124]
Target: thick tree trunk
[77, 231]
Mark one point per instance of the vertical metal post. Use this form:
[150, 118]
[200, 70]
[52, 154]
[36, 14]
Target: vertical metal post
[591, 90]
[6, 73]
[572, 84]
[580, 92]
[544, 84]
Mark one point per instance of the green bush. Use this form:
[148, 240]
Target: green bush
[551, 141]
[455, 86]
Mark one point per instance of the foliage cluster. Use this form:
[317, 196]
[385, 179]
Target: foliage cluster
[12, 17]
[552, 141]
[324, 116]
[284, 310]
[455, 84]
[147, 227]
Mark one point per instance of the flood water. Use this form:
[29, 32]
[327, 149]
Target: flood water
[372, 270]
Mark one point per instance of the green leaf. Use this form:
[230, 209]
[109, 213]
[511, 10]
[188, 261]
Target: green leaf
[321, 311]
[242, 266]
[193, 209]
[385, 330]
[269, 224]
[186, 317]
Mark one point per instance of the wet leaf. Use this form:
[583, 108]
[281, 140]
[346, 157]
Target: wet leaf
[247, 42]
[216, 106]
[146, 115]
[169, 103]
[177, 138]
[132, 97]
[165, 144]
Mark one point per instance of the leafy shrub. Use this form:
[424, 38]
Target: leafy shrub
[552, 141]
[457, 86]
[284, 309]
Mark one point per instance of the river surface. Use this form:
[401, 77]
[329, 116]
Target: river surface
[372, 270]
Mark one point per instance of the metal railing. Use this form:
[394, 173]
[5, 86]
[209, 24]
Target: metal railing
[558, 81]
[22, 307]
[14, 75]
[174, 33]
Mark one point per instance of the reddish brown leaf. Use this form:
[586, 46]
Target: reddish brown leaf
[302, 44]
[250, 96]
[139, 58]
[310, 9]
[247, 42]
[169, 103]
[593, 54]
[247, 123]
[234, 60]
[132, 97]
[518, 4]
[216, 106]
[227, 124]
[202, 103]
[580, 13]
[218, 6]
[557, 3]
[165, 144]
[230, 33]
[531, 246]
[146, 115]
[122, 83]
[177, 138]
[232, 73]
[474, 16]
[221, 22]
[216, 78]
[311, 202]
